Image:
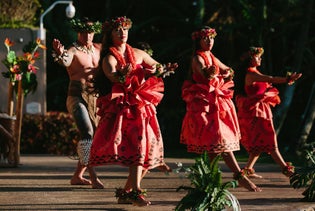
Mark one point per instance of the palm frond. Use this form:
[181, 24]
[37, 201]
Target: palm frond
[305, 177]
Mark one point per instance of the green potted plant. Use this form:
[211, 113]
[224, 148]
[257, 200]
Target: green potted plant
[208, 192]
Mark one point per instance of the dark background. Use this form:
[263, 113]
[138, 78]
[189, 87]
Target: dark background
[284, 28]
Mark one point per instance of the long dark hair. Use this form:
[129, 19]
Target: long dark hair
[102, 85]
[195, 47]
[239, 76]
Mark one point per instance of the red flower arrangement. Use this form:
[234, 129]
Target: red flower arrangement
[118, 22]
[22, 68]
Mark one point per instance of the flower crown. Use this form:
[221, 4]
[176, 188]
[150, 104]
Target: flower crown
[117, 22]
[205, 32]
[86, 26]
[255, 51]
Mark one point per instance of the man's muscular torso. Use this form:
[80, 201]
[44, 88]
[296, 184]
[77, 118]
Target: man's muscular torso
[83, 65]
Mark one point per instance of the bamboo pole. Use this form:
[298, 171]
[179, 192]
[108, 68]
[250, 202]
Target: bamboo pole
[18, 125]
[10, 99]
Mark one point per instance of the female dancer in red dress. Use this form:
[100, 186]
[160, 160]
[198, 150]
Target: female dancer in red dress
[128, 133]
[210, 123]
[254, 103]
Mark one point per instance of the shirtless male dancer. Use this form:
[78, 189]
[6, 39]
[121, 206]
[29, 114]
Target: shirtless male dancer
[81, 61]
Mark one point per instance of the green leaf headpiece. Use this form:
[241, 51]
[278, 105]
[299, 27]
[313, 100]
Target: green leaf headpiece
[85, 25]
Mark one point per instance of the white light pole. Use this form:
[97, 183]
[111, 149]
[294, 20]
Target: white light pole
[70, 12]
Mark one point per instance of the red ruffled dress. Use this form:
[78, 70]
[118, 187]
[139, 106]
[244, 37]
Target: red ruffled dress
[255, 117]
[128, 132]
[210, 123]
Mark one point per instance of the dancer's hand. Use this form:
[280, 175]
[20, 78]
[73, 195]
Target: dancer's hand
[292, 77]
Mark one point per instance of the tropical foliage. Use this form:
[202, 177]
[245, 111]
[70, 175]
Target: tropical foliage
[208, 192]
[17, 13]
[305, 177]
[52, 133]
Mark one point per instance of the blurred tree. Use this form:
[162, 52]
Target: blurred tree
[305, 138]
[18, 14]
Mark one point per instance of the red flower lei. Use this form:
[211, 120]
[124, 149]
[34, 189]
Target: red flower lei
[121, 61]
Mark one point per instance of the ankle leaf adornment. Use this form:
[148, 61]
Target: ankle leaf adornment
[239, 175]
[121, 193]
[135, 194]
[248, 171]
[288, 169]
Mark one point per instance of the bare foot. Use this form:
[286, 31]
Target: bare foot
[137, 198]
[97, 184]
[140, 201]
[288, 170]
[249, 185]
[256, 176]
[80, 181]
[251, 173]
[165, 168]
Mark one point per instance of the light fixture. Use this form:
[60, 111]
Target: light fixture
[70, 12]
